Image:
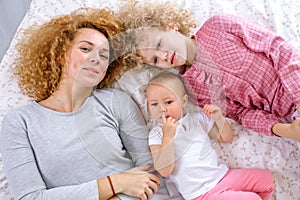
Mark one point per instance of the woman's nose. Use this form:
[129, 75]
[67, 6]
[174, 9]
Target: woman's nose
[94, 57]
[95, 61]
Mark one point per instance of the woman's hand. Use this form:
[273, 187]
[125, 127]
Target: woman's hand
[136, 182]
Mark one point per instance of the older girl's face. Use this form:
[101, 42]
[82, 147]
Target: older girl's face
[88, 58]
[165, 49]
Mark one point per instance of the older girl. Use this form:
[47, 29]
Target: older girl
[250, 72]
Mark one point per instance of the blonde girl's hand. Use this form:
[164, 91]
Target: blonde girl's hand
[221, 131]
[137, 182]
[169, 126]
[213, 111]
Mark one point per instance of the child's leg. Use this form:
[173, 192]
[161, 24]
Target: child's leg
[231, 195]
[252, 183]
[259, 181]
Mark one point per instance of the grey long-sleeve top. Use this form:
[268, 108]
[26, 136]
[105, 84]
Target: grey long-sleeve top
[55, 155]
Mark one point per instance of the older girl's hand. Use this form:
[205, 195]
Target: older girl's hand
[136, 182]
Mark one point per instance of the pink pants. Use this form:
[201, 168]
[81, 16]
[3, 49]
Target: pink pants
[250, 184]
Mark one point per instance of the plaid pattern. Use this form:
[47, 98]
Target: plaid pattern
[251, 73]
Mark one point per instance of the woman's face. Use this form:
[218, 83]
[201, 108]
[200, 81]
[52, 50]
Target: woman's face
[88, 58]
[165, 49]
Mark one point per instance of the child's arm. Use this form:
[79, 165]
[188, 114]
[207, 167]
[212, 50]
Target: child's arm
[163, 155]
[221, 131]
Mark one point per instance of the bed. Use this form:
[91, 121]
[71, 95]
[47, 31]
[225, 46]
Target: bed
[248, 149]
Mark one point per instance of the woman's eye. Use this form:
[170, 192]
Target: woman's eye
[85, 49]
[103, 56]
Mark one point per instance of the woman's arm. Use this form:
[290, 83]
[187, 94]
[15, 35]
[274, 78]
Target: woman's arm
[132, 127]
[134, 134]
[134, 182]
[26, 181]
[22, 170]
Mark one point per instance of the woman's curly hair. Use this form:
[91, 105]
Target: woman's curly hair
[43, 49]
[137, 15]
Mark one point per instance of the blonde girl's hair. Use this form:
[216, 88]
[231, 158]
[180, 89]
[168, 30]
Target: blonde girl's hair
[163, 78]
[42, 52]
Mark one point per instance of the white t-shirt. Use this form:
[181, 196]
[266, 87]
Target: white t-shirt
[196, 169]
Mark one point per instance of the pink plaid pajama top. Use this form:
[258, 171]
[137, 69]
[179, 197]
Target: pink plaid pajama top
[250, 72]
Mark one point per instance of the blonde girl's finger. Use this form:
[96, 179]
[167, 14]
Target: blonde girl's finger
[164, 117]
[206, 108]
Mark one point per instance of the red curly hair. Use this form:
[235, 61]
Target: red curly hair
[43, 49]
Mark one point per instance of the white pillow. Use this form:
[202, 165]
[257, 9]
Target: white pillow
[134, 83]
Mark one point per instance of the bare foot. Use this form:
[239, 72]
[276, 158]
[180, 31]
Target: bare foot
[291, 130]
[295, 129]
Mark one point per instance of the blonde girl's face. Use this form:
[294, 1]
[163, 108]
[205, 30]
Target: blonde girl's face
[163, 48]
[88, 58]
[161, 101]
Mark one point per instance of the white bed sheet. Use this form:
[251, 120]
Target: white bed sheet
[249, 149]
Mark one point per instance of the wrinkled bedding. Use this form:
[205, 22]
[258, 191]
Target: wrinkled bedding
[249, 149]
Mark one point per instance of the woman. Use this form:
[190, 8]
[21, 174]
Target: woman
[250, 72]
[74, 142]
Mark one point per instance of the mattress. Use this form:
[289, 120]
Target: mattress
[248, 149]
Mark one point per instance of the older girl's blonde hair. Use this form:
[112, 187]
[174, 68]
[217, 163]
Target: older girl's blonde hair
[43, 49]
[142, 14]
[137, 14]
